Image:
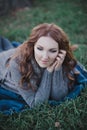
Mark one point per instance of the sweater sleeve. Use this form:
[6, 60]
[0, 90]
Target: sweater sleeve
[42, 94]
[31, 97]
[59, 85]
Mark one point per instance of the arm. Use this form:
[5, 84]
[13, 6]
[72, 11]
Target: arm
[59, 85]
[59, 82]
[42, 94]
[32, 98]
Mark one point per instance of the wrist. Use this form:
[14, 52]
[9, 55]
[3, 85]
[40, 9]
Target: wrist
[49, 70]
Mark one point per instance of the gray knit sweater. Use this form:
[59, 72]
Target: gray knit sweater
[52, 85]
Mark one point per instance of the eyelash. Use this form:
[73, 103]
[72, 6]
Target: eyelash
[52, 51]
[39, 48]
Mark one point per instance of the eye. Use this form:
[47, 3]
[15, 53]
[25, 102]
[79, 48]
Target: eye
[39, 48]
[53, 51]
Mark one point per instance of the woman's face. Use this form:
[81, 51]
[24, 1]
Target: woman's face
[45, 51]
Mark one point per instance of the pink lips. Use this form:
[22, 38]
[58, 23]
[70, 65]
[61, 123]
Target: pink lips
[44, 61]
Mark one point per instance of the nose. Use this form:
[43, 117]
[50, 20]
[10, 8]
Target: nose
[45, 55]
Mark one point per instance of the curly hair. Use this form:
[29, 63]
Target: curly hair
[27, 51]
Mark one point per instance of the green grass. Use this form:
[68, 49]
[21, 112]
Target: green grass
[70, 115]
[72, 17]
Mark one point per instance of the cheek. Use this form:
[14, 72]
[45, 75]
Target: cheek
[53, 56]
[37, 54]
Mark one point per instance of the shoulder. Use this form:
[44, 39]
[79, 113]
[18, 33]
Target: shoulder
[13, 68]
[6, 54]
[4, 57]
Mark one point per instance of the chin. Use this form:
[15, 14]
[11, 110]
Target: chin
[43, 66]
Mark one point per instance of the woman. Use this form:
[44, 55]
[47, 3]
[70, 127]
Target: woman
[42, 68]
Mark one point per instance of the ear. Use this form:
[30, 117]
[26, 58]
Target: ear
[74, 47]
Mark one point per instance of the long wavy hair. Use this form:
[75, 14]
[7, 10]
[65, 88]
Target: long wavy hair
[27, 51]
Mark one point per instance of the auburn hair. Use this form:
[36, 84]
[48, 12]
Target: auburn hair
[27, 51]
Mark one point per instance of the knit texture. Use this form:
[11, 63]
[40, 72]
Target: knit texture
[51, 85]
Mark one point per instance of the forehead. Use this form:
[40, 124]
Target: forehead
[47, 42]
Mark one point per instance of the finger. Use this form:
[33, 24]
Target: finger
[60, 57]
[58, 65]
[59, 61]
[54, 64]
[63, 52]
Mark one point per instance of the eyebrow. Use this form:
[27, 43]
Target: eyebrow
[39, 46]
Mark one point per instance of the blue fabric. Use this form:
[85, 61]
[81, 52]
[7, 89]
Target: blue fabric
[11, 102]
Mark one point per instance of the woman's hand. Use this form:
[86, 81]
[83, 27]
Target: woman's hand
[58, 62]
